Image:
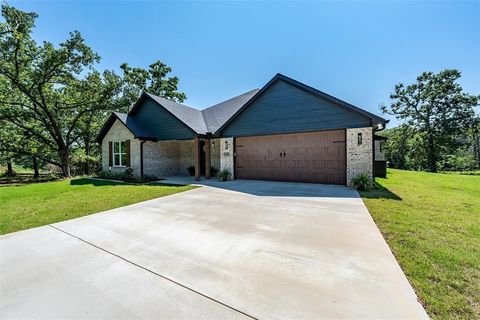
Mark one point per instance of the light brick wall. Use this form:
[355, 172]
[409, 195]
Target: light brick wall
[359, 157]
[186, 156]
[215, 153]
[118, 132]
[166, 158]
[379, 156]
[162, 158]
[226, 156]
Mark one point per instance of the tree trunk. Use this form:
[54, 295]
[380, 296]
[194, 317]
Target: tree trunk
[36, 174]
[65, 161]
[87, 153]
[431, 154]
[476, 148]
[10, 172]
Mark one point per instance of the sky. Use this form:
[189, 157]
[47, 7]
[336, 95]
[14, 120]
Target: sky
[354, 50]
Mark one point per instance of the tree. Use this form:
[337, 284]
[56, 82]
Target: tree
[46, 90]
[155, 80]
[8, 135]
[435, 107]
[134, 80]
[396, 147]
[474, 135]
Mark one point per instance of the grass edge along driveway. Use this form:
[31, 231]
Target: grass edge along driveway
[432, 224]
[33, 205]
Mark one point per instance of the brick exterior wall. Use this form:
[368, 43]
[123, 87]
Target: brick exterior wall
[379, 155]
[359, 157]
[167, 158]
[118, 132]
[226, 156]
[160, 159]
[215, 153]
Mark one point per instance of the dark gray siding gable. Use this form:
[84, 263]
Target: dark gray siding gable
[286, 108]
[154, 119]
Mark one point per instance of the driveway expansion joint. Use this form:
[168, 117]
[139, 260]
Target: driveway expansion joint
[155, 273]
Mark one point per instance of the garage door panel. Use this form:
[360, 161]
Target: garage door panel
[304, 157]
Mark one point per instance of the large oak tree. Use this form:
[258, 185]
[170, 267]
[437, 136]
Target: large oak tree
[436, 109]
[46, 90]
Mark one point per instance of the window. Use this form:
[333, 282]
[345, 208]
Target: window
[119, 154]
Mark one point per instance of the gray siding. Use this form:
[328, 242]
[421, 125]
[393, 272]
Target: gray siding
[285, 108]
[154, 119]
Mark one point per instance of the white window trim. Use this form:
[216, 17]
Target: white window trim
[119, 153]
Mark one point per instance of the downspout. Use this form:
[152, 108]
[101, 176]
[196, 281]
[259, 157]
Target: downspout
[141, 158]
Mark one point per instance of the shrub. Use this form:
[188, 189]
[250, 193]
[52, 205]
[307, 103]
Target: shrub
[363, 182]
[78, 163]
[5, 173]
[111, 175]
[128, 175]
[191, 170]
[224, 174]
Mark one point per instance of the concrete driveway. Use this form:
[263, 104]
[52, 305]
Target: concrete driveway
[241, 249]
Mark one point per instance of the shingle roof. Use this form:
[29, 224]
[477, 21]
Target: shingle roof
[129, 122]
[216, 115]
[213, 119]
[206, 120]
[132, 125]
[191, 117]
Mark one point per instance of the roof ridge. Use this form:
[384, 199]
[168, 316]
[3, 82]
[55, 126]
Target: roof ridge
[242, 94]
[171, 101]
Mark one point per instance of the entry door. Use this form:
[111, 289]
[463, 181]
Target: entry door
[317, 157]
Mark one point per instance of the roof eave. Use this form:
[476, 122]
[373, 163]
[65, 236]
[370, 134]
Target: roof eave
[149, 96]
[109, 123]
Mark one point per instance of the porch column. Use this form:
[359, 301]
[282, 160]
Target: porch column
[196, 152]
[208, 160]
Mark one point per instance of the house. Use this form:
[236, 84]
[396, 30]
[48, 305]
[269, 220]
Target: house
[285, 131]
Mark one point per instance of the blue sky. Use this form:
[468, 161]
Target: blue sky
[355, 51]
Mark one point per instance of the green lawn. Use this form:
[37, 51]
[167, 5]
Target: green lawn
[432, 224]
[33, 205]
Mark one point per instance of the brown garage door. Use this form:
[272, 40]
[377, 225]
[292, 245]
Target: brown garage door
[301, 157]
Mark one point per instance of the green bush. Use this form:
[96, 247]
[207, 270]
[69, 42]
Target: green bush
[363, 182]
[111, 175]
[128, 175]
[78, 163]
[224, 174]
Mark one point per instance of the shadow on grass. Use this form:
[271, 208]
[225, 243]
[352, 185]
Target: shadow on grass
[380, 192]
[103, 183]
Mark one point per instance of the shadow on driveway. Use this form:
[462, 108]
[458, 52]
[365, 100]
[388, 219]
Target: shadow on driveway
[270, 188]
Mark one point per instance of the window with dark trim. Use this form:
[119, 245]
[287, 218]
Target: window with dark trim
[119, 154]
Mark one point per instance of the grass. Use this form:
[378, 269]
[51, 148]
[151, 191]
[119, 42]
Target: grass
[32, 205]
[432, 224]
